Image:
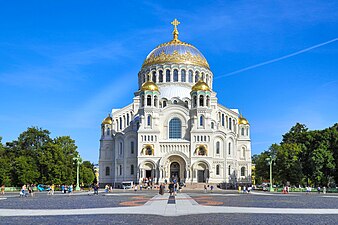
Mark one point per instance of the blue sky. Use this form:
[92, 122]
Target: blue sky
[66, 64]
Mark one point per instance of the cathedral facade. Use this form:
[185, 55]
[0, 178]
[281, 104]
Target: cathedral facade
[175, 127]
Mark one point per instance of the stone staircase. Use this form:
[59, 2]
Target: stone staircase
[195, 186]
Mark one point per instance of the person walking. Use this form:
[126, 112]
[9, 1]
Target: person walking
[205, 188]
[161, 192]
[52, 189]
[3, 189]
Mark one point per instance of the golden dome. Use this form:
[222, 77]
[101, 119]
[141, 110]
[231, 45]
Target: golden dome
[108, 120]
[242, 120]
[200, 86]
[176, 51]
[149, 86]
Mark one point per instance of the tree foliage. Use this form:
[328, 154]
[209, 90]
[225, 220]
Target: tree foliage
[36, 158]
[302, 158]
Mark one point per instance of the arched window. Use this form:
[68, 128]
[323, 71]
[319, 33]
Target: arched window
[223, 120]
[243, 171]
[243, 152]
[208, 100]
[191, 76]
[102, 131]
[128, 119]
[167, 76]
[155, 101]
[229, 170]
[160, 77]
[202, 76]
[196, 76]
[132, 147]
[108, 131]
[217, 170]
[154, 76]
[229, 148]
[195, 101]
[175, 75]
[175, 130]
[201, 100]
[117, 124]
[120, 170]
[164, 104]
[230, 124]
[142, 100]
[107, 171]
[175, 102]
[148, 100]
[242, 131]
[149, 120]
[212, 125]
[120, 123]
[121, 148]
[247, 131]
[201, 120]
[132, 170]
[217, 147]
[183, 78]
[207, 79]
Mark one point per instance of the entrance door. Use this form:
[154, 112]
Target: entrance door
[148, 174]
[175, 171]
[200, 176]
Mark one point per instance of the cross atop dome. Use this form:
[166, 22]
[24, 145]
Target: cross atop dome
[175, 23]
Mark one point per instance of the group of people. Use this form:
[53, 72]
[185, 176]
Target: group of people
[27, 190]
[65, 189]
[245, 189]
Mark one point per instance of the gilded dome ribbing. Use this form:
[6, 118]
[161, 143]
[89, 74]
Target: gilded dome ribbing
[176, 51]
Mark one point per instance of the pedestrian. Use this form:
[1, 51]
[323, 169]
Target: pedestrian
[211, 188]
[161, 192]
[171, 188]
[239, 189]
[205, 188]
[3, 189]
[63, 189]
[324, 190]
[135, 187]
[318, 189]
[52, 188]
[96, 189]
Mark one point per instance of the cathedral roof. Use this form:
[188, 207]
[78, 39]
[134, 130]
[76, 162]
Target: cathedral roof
[200, 86]
[149, 86]
[108, 120]
[176, 51]
[242, 120]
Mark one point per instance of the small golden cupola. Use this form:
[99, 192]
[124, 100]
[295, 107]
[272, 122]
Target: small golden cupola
[242, 120]
[200, 86]
[149, 86]
[108, 120]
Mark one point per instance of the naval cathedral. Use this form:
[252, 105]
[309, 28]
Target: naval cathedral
[175, 127]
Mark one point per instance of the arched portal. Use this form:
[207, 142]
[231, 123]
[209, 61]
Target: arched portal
[201, 172]
[176, 168]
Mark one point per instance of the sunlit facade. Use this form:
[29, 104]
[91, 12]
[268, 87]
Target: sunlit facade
[175, 127]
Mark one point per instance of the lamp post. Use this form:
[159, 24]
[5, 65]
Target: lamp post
[270, 161]
[78, 160]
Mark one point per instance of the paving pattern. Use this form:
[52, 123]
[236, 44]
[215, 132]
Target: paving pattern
[187, 208]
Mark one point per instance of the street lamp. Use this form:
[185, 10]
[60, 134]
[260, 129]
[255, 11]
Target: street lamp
[270, 161]
[78, 160]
